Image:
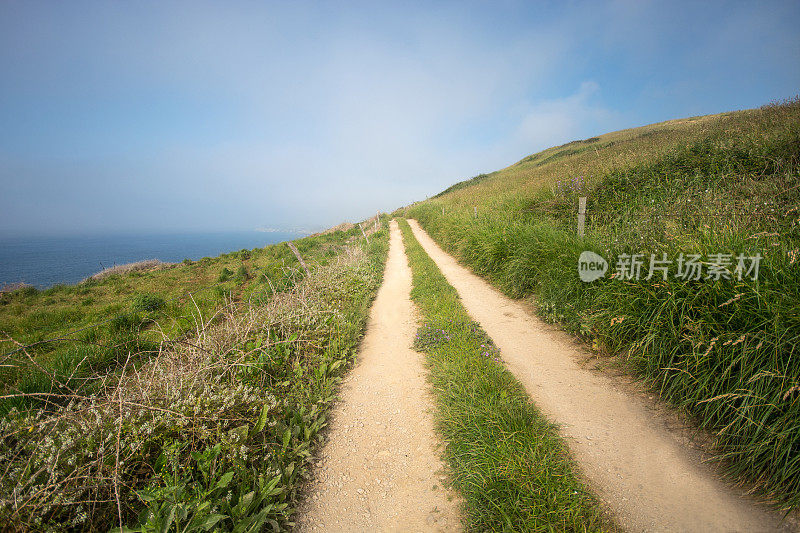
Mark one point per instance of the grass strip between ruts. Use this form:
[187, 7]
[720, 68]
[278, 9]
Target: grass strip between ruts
[507, 460]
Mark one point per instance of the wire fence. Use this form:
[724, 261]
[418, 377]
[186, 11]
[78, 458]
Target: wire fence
[102, 432]
[69, 336]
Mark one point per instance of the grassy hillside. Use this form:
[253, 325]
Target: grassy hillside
[136, 311]
[725, 349]
[216, 431]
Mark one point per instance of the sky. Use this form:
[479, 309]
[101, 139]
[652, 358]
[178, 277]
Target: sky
[167, 116]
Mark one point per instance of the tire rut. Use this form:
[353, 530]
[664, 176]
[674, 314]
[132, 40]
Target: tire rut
[380, 468]
[643, 472]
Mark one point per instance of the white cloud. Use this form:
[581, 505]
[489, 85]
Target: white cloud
[307, 113]
[551, 122]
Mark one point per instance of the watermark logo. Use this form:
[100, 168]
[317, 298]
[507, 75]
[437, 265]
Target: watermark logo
[716, 266]
[591, 266]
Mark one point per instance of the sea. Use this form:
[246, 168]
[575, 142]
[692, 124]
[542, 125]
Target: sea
[46, 261]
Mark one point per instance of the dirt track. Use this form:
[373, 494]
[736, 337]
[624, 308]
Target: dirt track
[379, 469]
[646, 474]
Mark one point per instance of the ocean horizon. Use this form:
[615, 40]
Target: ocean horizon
[47, 261]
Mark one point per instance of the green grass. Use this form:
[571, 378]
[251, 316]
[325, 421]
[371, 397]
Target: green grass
[136, 311]
[215, 434]
[726, 351]
[508, 460]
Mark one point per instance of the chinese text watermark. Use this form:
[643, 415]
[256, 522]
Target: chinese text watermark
[716, 266]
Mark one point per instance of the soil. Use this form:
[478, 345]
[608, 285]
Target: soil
[380, 468]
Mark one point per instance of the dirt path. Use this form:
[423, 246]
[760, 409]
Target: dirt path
[380, 469]
[646, 474]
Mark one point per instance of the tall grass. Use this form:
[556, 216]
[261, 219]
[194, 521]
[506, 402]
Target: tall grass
[137, 306]
[215, 433]
[508, 461]
[726, 351]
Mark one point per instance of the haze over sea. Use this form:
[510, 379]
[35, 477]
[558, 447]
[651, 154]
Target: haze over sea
[45, 261]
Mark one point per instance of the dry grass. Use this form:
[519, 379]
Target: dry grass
[613, 151]
[139, 266]
[231, 390]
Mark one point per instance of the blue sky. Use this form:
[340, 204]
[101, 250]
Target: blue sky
[199, 116]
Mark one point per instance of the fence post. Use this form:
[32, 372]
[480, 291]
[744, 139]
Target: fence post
[581, 215]
[442, 210]
[377, 220]
[475, 211]
[293, 248]
[364, 234]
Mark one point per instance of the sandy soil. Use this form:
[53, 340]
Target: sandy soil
[380, 468]
[646, 474]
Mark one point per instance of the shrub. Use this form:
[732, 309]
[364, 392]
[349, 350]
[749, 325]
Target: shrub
[148, 302]
[242, 274]
[225, 275]
[126, 323]
[28, 290]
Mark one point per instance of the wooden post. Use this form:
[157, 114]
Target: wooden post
[377, 220]
[581, 215]
[293, 248]
[364, 234]
[475, 211]
[442, 210]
